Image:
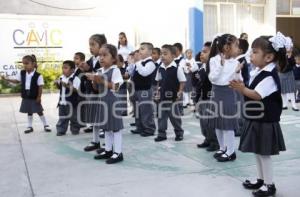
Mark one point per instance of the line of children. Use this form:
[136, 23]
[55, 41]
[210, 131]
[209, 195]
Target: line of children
[171, 81]
[31, 92]
[262, 134]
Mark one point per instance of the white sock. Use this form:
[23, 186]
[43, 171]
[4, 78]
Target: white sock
[96, 138]
[220, 137]
[185, 97]
[117, 142]
[267, 169]
[109, 138]
[291, 96]
[259, 167]
[30, 119]
[284, 100]
[43, 119]
[229, 141]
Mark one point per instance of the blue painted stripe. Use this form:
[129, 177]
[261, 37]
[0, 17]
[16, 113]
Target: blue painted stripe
[196, 31]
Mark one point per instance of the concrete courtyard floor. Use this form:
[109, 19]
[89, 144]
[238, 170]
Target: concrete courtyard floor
[44, 165]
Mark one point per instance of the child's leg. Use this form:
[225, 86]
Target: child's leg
[291, 96]
[117, 139]
[259, 167]
[284, 100]
[220, 137]
[175, 119]
[29, 119]
[43, 119]
[185, 97]
[109, 139]
[267, 169]
[74, 124]
[63, 121]
[96, 138]
[162, 120]
[229, 141]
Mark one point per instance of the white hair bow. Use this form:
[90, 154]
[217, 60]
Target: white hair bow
[280, 41]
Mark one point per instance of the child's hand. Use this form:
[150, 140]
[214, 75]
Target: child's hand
[64, 84]
[57, 82]
[237, 85]
[90, 76]
[98, 79]
[38, 100]
[179, 95]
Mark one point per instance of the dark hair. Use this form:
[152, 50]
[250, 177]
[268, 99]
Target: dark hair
[148, 45]
[243, 45]
[80, 55]
[31, 58]
[178, 46]
[120, 58]
[265, 45]
[243, 34]
[69, 63]
[197, 56]
[157, 50]
[207, 44]
[169, 48]
[218, 45]
[99, 38]
[112, 50]
[122, 34]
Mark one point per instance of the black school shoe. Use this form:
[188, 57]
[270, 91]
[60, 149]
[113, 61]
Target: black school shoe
[132, 124]
[248, 185]
[88, 130]
[295, 109]
[178, 138]
[219, 153]
[231, 157]
[104, 155]
[60, 134]
[135, 131]
[212, 148]
[92, 146]
[204, 144]
[159, 139]
[47, 128]
[270, 192]
[147, 134]
[28, 130]
[116, 158]
[100, 150]
[101, 134]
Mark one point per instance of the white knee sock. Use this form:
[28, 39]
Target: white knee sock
[229, 141]
[291, 96]
[43, 119]
[109, 138]
[284, 100]
[185, 96]
[30, 119]
[117, 142]
[96, 138]
[259, 167]
[267, 169]
[220, 137]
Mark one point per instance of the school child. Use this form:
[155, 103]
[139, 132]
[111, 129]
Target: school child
[188, 68]
[287, 79]
[79, 59]
[107, 117]
[95, 43]
[203, 84]
[156, 53]
[124, 48]
[223, 68]
[144, 115]
[122, 93]
[68, 85]
[297, 76]
[31, 92]
[171, 82]
[262, 134]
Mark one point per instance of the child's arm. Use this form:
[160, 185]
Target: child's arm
[240, 86]
[216, 66]
[39, 97]
[180, 91]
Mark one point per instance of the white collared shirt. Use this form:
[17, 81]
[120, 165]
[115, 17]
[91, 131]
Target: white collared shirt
[222, 75]
[158, 61]
[147, 69]
[125, 51]
[116, 77]
[194, 65]
[95, 60]
[75, 84]
[180, 74]
[267, 86]
[28, 78]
